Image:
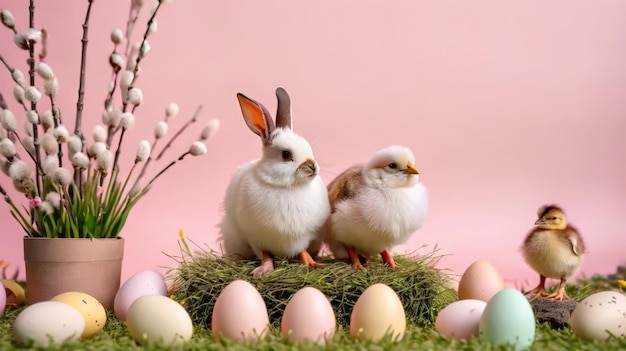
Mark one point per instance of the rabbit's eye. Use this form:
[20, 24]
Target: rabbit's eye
[392, 165]
[286, 154]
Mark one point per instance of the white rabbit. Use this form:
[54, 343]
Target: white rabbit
[275, 205]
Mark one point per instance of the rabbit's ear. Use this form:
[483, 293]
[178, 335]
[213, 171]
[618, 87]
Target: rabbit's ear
[283, 115]
[257, 117]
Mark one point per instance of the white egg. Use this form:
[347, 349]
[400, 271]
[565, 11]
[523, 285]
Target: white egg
[140, 284]
[378, 312]
[308, 316]
[600, 314]
[48, 323]
[459, 320]
[240, 313]
[157, 318]
[508, 318]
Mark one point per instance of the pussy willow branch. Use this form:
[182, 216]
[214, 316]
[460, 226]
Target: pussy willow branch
[3, 104]
[33, 105]
[81, 87]
[130, 24]
[78, 130]
[193, 119]
[140, 53]
[136, 73]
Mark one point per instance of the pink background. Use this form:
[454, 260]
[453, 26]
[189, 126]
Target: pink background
[507, 106]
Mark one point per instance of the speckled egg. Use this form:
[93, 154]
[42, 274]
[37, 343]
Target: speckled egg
[480, 281]
[140, 284]
[240, 313]
[308, 316]
[378, 312]
[159, 319]
[91, 309]
[508, 318]
[459, 320]
[600, 314]
[48, 323]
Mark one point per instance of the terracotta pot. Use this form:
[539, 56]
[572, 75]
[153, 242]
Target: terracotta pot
[57, 265]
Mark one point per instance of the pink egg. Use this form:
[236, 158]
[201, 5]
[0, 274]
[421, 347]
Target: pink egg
[480, 281]
[240, 313]
[3, 299]
[308, 316]
[141, 284]
[460, 319]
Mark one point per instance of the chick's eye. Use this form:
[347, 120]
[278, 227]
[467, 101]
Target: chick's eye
[554, 218]
[392, 165]
[286, 155]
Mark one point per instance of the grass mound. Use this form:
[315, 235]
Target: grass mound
[423, 289]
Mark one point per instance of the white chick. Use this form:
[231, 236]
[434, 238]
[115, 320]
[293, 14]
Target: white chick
[375, 207]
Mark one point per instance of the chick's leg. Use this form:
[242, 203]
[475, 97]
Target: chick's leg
[560, 293]
[388, 259]
[539, 290]
[267, 264]
[354, 257]
[307, 260]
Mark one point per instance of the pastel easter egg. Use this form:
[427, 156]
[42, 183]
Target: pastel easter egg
[480, 281]
[378, 312]
[599, 315]
[508, 318]
[140, 284]
[91, 309]
[308, 316]
[3, 300]
[158, 319]
[240, 313]
[48, 323]
[459, 320]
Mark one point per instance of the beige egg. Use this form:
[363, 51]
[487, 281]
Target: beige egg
[378, 312]
[480, 281]
[159, 319]
[91, 309]
[240, 313]
[308, 316]
[600, 314]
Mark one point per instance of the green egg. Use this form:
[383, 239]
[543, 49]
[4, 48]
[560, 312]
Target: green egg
[508, 318]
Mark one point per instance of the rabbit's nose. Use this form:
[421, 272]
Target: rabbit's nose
[309, 167]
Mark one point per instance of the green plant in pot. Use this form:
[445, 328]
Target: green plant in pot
[76, 196]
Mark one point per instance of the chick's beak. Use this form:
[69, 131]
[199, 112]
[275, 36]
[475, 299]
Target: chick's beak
[540, 221]
[410, 169]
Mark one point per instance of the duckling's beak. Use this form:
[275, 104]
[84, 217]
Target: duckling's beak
[540, 221]
[410, 169]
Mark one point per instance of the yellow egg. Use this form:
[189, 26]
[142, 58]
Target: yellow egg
[159, 319]
[377, 313]
[480, 281]
[91, 309]
[15, 292]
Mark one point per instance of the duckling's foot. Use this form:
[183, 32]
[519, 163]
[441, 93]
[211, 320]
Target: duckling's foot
[354, 257]
[559, 295]
[388, 259]
[307, 260]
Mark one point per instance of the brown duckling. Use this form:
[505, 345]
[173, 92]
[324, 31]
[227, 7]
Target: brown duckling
[553, 249]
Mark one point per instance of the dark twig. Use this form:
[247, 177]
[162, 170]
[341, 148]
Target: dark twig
[81, 88]
[33, 105]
